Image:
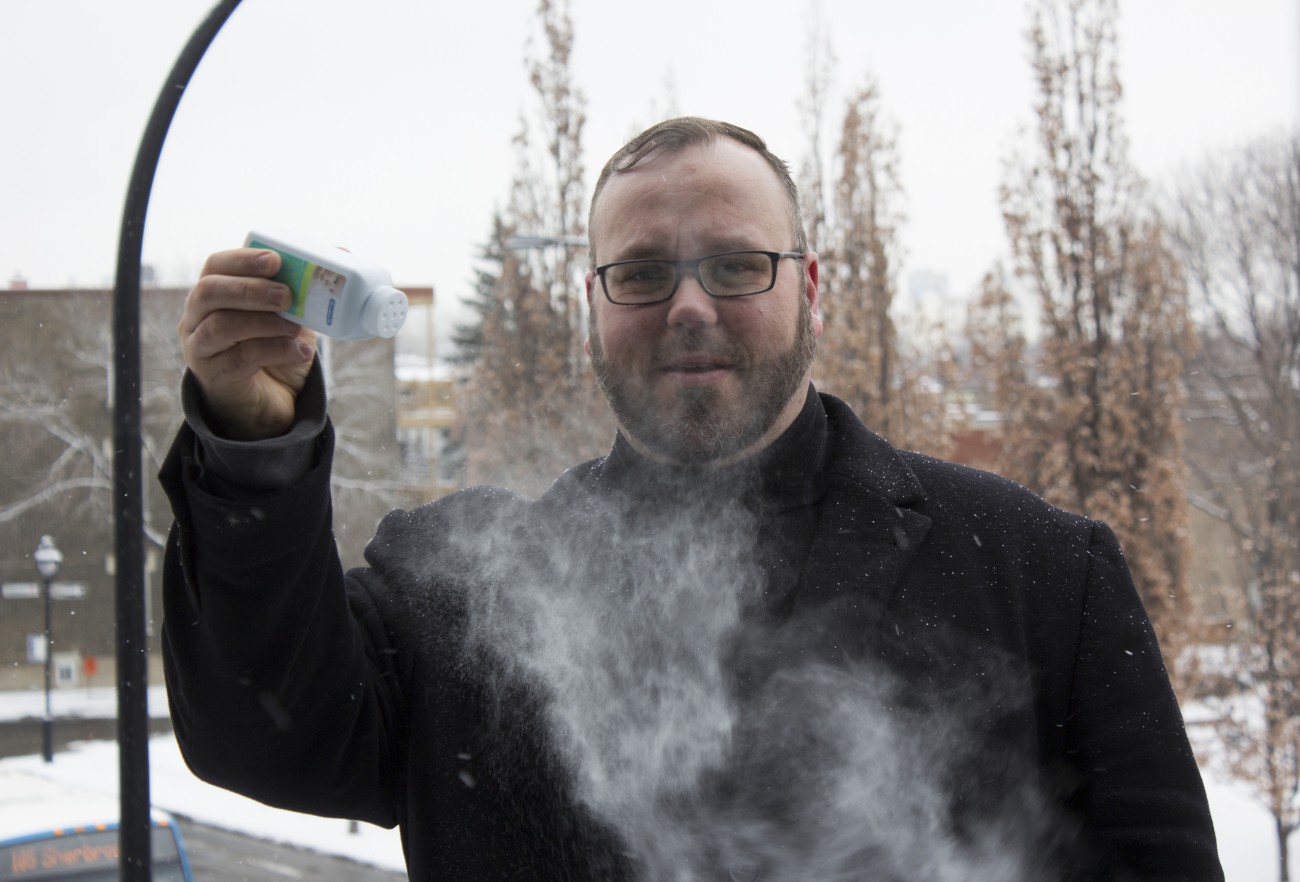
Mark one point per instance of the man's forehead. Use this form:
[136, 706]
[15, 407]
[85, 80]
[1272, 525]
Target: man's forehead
[705, 170]
[721, 156]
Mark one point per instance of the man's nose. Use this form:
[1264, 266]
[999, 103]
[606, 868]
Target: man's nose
[691, 304]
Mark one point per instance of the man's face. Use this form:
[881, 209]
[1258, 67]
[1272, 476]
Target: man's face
[695, 378]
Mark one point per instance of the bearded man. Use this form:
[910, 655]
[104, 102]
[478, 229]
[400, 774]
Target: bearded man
[753, 642]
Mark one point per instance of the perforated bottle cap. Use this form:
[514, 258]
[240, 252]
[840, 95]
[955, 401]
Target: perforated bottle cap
[385, 312]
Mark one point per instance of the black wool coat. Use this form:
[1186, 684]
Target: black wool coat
[955, 675]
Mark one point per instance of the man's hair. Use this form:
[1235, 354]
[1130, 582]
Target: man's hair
[675, 135]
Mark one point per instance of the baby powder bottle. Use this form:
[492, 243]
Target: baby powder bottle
[335, 292]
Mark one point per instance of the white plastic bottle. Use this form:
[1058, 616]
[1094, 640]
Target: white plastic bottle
[335, 292]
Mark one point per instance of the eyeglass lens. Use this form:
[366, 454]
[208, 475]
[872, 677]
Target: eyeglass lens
[723, 275]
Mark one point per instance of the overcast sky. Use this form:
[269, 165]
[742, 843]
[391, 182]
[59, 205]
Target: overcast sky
[386, 125]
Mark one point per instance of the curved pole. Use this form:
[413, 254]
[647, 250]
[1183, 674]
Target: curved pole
[128, 507]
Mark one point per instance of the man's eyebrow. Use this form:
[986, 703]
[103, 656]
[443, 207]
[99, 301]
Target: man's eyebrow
[654, 251]
[642, 251]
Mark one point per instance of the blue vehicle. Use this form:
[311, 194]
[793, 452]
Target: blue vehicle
[50, 833]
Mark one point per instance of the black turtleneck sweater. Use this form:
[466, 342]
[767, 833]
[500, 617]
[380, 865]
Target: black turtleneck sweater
[781, 488]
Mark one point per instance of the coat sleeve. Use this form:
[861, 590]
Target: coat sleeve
[1141, 792]
[281, 674]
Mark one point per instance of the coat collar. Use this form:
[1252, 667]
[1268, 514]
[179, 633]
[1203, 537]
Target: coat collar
[870, 525]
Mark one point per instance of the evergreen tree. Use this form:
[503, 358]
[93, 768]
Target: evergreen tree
[529, 407]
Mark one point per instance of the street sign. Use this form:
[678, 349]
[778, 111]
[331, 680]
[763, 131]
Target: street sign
[20, 590]
[32, 590]
[67, 590]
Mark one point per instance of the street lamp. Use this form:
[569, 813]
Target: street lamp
[47, 558]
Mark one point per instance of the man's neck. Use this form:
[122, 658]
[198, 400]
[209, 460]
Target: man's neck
[785, 468]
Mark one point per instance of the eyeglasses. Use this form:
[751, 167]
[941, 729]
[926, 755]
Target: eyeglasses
[733, 274]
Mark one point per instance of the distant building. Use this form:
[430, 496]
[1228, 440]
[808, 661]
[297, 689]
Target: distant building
[977, 442]
[928, 298]
[426, 405]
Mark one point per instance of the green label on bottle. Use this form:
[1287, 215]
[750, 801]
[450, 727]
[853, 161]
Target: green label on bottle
[296, 273]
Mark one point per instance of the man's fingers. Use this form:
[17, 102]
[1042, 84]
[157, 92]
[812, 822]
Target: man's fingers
[249, 362]
[239, 278]
[242, 262]
[215, 293]
[220, 330]
[250, 356]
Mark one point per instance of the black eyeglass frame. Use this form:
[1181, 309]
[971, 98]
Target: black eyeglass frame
[693, 268]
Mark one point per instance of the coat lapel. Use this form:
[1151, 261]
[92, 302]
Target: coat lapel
[869, 529]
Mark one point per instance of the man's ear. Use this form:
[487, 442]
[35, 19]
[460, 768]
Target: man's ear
[590, 282]
[811, 291]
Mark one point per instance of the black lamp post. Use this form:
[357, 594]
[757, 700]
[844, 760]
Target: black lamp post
[128, 528]
[47, 558]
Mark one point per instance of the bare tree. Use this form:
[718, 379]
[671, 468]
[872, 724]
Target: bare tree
[56, 406]
[898, 387]
[1236, 228]
[1000, 374]
[1111, 311]
[364, 479]
[819, 60]
[554, 197]
[860, 348]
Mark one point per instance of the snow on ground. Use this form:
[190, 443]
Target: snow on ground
[1247, 844]
[92, 767]
[1242, 824]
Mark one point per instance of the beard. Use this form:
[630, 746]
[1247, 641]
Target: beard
[700, 426]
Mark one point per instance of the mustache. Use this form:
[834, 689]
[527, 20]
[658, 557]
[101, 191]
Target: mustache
[699, 345]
